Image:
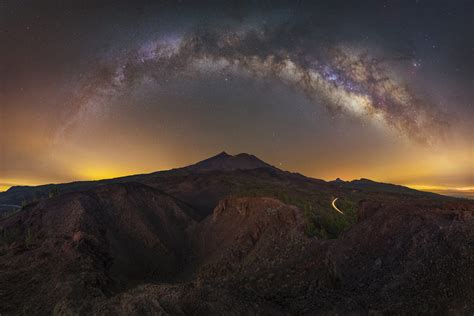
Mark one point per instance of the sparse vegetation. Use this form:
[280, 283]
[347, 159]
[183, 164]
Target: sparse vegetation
[53, 192]
[28, 237]
[9, 213]
[322, 221]
[40, 195]
[7, 236]
[32, 199]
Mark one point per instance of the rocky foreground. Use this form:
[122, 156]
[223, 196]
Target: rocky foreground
[233, 235]
[132, 249]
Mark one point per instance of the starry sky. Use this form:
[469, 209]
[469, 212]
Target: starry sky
[348, 89]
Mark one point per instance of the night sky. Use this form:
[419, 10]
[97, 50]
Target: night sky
[348, 89]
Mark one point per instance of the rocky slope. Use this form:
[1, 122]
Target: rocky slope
[382, 265]
[82, 245]
[238, 241]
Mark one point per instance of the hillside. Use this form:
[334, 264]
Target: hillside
[235, 235]
[222, 164]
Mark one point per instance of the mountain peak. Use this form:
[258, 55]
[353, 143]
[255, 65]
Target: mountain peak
[222, 154]
[224, 161]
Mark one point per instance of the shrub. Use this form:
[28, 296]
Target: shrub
[28, 237]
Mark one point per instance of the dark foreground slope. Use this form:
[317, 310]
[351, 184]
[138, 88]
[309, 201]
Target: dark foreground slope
[267, 266]
[241, 238]
[129, 249]
[81, 246]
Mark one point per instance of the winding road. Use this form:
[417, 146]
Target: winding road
[335, 207]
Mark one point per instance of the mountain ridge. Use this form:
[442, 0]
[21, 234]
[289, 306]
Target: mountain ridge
[223, 162]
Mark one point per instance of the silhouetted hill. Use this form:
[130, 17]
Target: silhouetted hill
[369, 185]
[221, 163]
[224, 161]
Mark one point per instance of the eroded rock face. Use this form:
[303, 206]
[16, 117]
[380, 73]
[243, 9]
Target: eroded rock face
[130, 249]
[404, 255]
[399, 257]
[248, 235]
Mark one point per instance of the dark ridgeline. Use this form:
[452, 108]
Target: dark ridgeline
[233, 234]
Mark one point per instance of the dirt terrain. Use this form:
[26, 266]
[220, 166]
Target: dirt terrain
[236, 237]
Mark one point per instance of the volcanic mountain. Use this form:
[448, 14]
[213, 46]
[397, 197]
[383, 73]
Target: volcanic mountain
[233, 234]
[224, 161]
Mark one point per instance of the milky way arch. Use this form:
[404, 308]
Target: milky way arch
[347, 82]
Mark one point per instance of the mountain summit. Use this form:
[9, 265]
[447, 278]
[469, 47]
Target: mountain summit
[224, 161]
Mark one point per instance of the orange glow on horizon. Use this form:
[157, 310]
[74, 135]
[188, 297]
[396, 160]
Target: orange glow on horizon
[4, 187]
[92, 174]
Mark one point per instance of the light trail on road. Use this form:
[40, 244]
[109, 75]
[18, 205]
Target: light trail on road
[335, 207]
